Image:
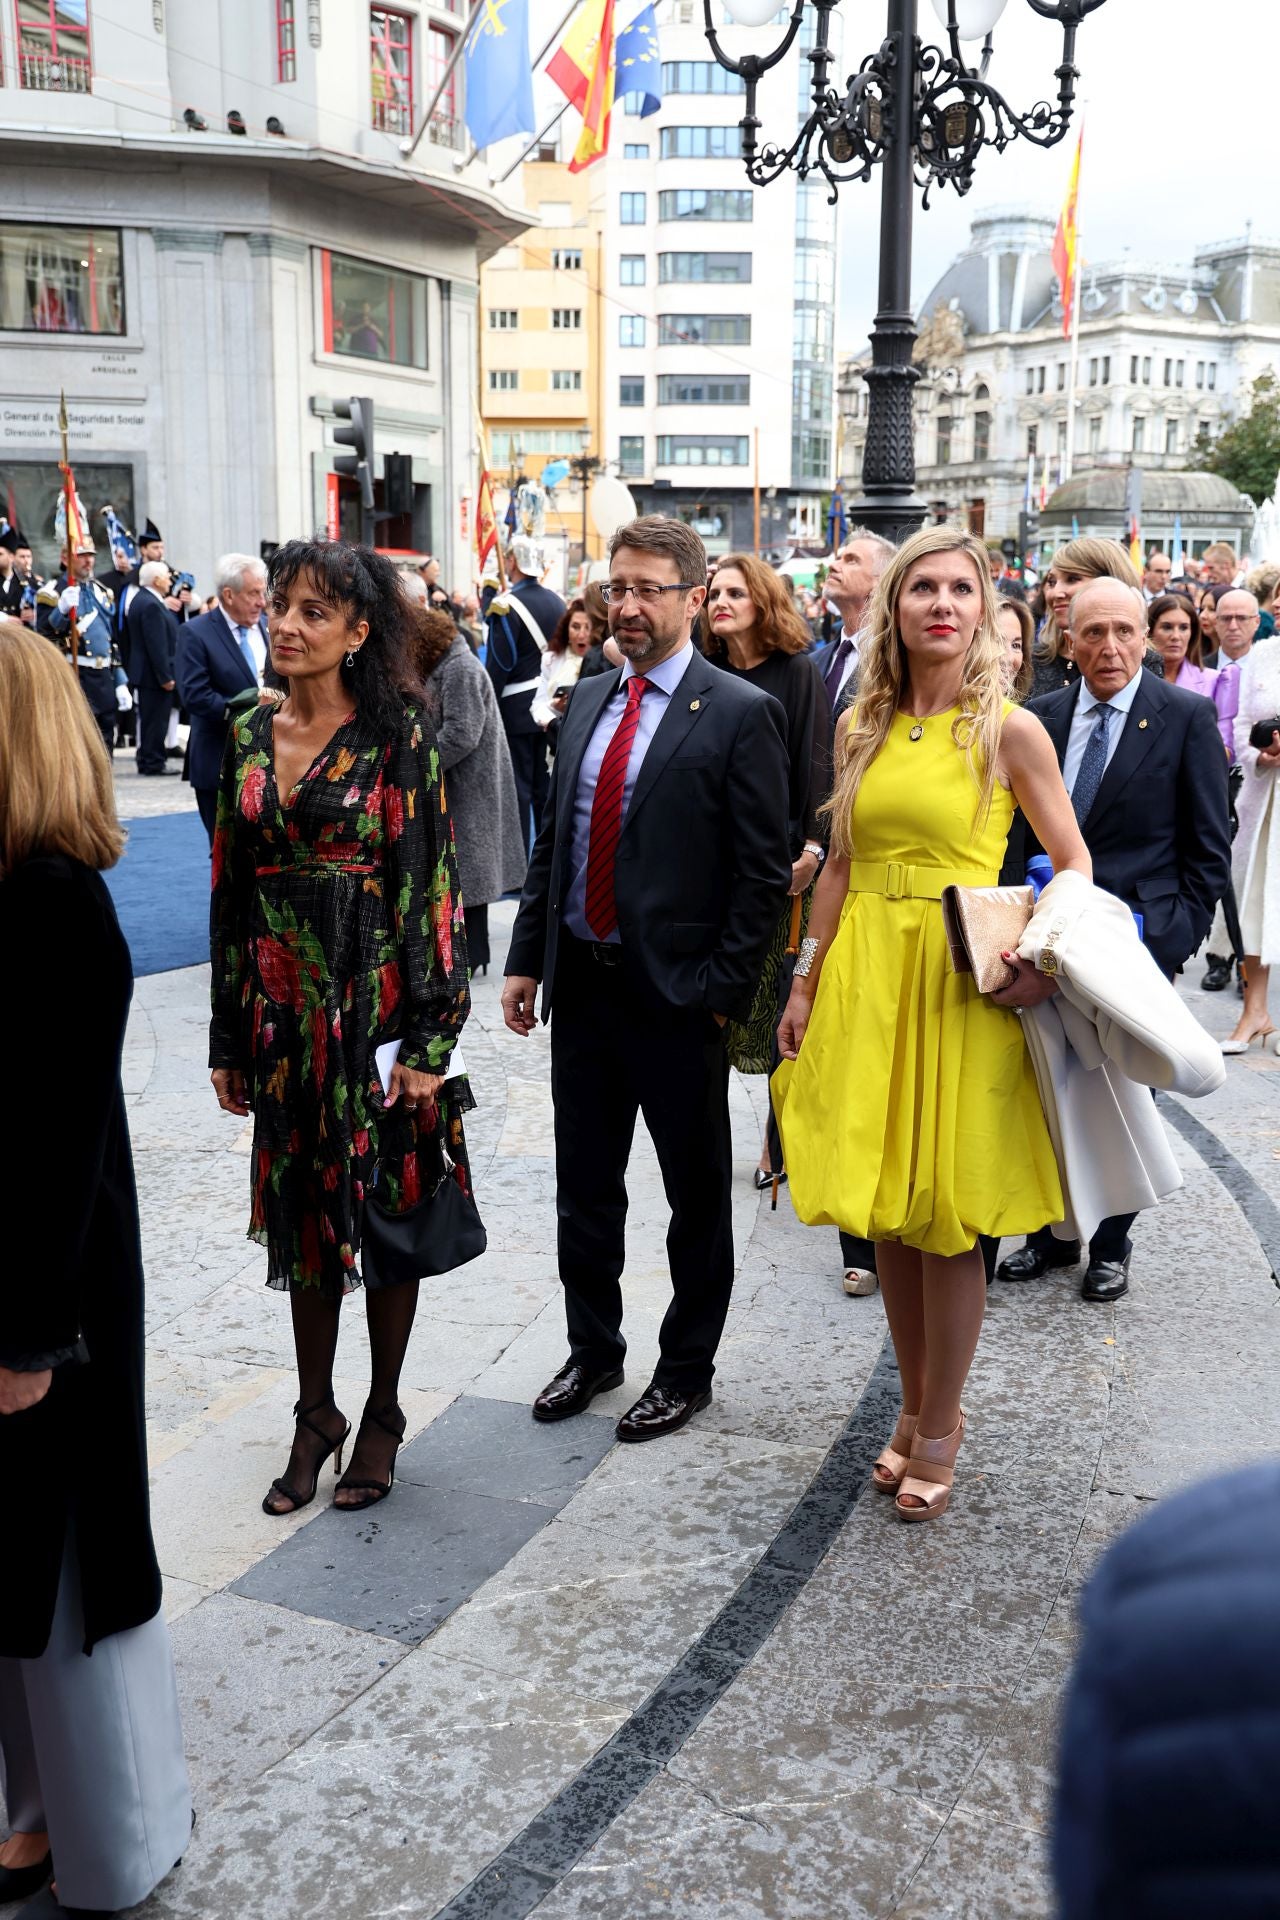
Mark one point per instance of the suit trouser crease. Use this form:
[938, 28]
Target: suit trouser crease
[616, 1055]
[92, 1753]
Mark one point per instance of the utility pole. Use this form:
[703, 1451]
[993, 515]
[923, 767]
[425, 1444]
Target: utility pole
[584, 465]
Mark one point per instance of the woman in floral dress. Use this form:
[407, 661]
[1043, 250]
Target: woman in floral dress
[336, 927]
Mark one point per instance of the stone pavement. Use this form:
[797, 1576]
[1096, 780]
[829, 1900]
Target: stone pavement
[712, 1675]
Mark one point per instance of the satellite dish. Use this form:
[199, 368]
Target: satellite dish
[612, 505]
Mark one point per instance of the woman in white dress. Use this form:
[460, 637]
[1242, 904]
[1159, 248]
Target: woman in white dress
[1255, 857]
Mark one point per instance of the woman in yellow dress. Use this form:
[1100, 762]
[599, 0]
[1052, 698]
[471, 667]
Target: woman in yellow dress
[911, 1115]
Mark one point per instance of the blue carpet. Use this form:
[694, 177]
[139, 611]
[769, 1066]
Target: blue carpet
[161, 891]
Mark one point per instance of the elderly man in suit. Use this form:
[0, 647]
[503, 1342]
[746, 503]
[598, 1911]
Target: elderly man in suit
[152, 634]
[222, 656]
[521, 622]
[656, 881]
[1144, 766]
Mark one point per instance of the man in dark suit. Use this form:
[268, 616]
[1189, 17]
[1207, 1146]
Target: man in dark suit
[1144, 765]
[152, 633]
[521, 622]
[656, 881]
[862, 558]
[222, 654]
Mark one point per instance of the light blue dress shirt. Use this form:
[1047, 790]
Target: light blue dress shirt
[663, 681]
[1083, 724]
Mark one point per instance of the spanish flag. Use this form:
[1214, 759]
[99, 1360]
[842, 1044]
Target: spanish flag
[583, 69]
[1066, 242]
[486, 522]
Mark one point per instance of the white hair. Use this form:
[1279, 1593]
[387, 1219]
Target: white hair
[1107, 580]
[150, 571]
[883, 549]
[228, 575]
[414, 588]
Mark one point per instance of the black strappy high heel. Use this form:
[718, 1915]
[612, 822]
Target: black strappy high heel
[374, 1490]
[302, 1416]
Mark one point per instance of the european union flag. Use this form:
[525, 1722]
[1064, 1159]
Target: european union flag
[499, 76]
[637, 66]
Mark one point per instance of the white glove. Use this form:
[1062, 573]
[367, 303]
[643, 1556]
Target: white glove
[124, 699]
[69, 599]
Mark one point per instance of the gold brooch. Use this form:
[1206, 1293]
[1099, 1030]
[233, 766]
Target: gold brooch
[694, 705]
[917, 732]
[1141, 725]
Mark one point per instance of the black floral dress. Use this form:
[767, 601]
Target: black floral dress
[336, 926]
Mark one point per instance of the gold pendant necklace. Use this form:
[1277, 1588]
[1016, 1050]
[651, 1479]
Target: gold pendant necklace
[917, 732]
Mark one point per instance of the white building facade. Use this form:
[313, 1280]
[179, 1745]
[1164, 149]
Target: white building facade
[204, 295]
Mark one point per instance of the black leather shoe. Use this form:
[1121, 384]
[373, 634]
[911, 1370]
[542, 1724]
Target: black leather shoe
[1217, 974]
[1106, 1279]
[573, 1390]
[1030, 1263]
[661, 1410]
[19, 1883]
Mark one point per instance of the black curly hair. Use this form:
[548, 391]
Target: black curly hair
[365, 586]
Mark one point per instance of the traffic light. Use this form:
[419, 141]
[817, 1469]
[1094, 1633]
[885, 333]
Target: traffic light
[1028, 532]
[358, 464]
[397, 475]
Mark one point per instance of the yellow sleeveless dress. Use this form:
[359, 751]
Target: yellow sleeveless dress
[912, 1113]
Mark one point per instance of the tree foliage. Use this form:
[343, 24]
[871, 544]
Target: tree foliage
[1247, 453]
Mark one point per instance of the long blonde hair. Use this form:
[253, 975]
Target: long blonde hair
[883, 678]
[56, 792]
[1095, 559]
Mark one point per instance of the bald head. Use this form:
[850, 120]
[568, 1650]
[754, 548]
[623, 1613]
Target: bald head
[1237, 622]
[1108, 634]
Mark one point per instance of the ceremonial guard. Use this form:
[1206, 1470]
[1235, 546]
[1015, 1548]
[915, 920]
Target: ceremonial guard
[78, 613]
[17, 578]
[521, 620]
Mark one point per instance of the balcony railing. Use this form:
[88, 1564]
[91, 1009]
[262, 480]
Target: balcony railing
[54, 73]
[446, 130]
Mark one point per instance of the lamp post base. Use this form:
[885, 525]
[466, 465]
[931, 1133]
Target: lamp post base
[894, 516]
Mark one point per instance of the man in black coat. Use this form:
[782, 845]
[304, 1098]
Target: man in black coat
[1144, 765]
[521, 622]
[221, 654]
[152, 634]
[656, 881]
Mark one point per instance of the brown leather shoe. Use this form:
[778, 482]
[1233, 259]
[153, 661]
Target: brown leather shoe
[573, 1390]
[661, 1410]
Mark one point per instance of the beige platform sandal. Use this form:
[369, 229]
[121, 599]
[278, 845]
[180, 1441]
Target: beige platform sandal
[930, 1474]
[886, 1475]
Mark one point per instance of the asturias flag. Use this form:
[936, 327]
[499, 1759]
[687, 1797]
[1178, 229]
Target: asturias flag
[70, 525]
[638, 68]
[486, 521]
[1066, 242]
[499, 77]
[582, 68]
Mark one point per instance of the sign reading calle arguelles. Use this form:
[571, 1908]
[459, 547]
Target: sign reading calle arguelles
[103, 426]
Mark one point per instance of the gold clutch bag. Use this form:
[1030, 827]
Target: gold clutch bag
[982, 924]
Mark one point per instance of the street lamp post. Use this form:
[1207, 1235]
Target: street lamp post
[923, 114]
[584, 464]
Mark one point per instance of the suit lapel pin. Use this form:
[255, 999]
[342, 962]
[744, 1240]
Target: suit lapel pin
[1141, 725]
[694, 705]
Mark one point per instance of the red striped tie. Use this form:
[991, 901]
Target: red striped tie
[606, 816]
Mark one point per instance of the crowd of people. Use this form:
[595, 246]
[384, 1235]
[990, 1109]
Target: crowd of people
[732, 816]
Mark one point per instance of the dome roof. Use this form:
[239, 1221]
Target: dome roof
[1004, 280]
[1189, 493]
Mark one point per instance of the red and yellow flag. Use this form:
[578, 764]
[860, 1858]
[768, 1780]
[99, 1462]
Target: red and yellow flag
[1066, 242]
[486, 521]
[583, 69]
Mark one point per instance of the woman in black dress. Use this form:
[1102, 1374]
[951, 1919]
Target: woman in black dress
[750, 627]
[337, 933]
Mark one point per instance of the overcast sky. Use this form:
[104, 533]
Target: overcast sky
[1182, 139]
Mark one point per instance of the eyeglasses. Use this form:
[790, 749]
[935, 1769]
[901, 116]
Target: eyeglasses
[614, 595]
[1235, 619]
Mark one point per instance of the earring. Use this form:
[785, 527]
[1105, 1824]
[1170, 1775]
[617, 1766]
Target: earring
[350, 661]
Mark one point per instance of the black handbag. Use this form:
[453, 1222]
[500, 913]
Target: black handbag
[443, 1231]
[1261, 733]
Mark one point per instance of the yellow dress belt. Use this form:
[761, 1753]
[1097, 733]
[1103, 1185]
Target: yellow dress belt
[898, 881]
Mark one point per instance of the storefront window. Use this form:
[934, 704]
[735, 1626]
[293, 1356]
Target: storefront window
[372, 312]
[60, 279]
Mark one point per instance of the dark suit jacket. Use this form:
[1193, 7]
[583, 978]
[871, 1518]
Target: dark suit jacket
[1159, 830]
[210, 669]
[152, 633]
[512, 654]
[703, 863]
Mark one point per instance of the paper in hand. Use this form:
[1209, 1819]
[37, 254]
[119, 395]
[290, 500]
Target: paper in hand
[387, 1055]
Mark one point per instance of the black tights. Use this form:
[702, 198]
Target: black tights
[390, 1312]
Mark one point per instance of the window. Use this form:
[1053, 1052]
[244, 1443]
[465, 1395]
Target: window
[391, 70]
[508, 444]
[504, 319]
[635, 150]
[60, 279]
[699, 76]
[1133, 369]
[1093, 373]
[1139, 432]
[1168, 373]
[1199, 373]
[705, 203]
[566, 380]
[445, 129]
[1178, 373]
[372, 312]
[1213, 375]
[1032, 437]
[944, 439]
[695, 390]
[702, 450]
[1062, 376]
[286, 42]
[631, 390]
[711, 267]
[1106, 370]
[811, 456]
[701, 143]
[1171, 436]
[566, 319]
[1031, 379]
[567, 258]
[503, 379]
[631, 270]
[1039, 379]
[631, 330]
[631, 209]
[53, 46]
[982, 436]
[1062, 436]
[704, 329]
[1095, 434]
[631, 453]
[1146, 370]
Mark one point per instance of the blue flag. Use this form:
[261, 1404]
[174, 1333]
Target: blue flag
[119, 538]
[637, 67]
[499, 76]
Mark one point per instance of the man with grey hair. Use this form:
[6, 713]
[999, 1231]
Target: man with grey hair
[222, 661]
[1143, 763]
[862, 558]
[151, 635]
